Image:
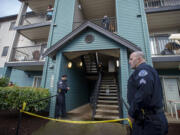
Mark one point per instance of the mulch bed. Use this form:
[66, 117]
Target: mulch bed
[9, 120]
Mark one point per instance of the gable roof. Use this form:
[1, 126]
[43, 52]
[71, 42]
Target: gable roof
[57, 46]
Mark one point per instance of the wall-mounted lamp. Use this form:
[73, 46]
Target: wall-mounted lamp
[117, 63]
[69, 65]
[81, 64]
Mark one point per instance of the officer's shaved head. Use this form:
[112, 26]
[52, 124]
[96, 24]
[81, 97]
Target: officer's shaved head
[139, 54]
[136, 58]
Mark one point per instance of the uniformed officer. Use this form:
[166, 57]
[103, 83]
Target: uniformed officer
[61, 104]
[145, 98]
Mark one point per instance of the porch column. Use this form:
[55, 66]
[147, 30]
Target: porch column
[123, 76]
[53, 83]
[19, 21]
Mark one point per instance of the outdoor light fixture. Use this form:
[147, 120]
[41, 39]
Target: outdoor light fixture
[117, 63]
[69, 65]
[81, 64]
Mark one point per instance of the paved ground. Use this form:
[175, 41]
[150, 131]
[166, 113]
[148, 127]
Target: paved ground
[82, 113]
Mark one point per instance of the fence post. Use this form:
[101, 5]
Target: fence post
[19, 123]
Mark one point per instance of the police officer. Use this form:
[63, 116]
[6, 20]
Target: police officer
[62, 89]
[145, 98]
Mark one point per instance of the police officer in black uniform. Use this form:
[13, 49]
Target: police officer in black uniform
[62, 90]
[145, 98]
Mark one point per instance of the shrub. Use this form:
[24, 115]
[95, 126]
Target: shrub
[12, 98]
[4, 82]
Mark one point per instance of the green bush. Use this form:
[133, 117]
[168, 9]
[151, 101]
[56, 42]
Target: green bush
[12, 98]
[4, 82]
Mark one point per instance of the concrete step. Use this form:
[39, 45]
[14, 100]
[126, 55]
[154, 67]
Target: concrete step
[98, 116]
[108, 101]
[107, 111]
[108, 106]
[107, 97]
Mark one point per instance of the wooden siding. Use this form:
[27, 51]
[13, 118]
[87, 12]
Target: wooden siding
[61, 25]
[78, 94]
[100, 42]
[132, 27]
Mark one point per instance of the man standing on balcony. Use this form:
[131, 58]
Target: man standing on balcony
[105, 22]
[62, 90]
[145, 98]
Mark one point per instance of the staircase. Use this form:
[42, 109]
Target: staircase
[107, 104]
[90, 63]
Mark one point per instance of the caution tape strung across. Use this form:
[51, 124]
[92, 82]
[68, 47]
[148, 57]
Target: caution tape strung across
[74, 122]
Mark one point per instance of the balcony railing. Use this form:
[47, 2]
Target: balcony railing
[160, 46]
[112, 26]
[29, 53]
[160, 3]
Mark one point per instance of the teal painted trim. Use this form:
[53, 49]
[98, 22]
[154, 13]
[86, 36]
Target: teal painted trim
[7, 72]
[53, 90]
[45, 68]
[145, 33]
[124, 77]
[100, 42]
[59, 28]
[21, 78]
[1, 72]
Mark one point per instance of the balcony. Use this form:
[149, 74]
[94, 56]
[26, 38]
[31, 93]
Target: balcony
[35, 26]
[111, 26]
[155, 4]
[160, 46]
[29, 53]
[28, 58]
[164, 54]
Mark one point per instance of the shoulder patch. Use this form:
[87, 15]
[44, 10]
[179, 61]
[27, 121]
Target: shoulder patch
[142, 73]
[142, 81]
[60, 82]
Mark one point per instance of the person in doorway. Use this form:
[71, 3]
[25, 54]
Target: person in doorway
[49, 13]
[145, 98]
[105, 22]
[61, 104]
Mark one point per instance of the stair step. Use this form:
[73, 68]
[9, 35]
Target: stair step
[108, 94]
[108, 106]
[107, 111]
[106, 97]
[110, 91]
[98, 116]
[107, 101]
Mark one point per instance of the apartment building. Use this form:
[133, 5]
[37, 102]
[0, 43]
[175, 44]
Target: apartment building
[75, 42]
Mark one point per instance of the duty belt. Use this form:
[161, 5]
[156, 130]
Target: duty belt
[153, 111]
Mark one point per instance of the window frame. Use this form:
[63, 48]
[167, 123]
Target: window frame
[4, 52]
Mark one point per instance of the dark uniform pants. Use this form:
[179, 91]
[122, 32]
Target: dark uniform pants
[155, 125]
[61, 105]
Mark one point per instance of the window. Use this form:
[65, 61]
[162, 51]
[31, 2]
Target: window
[5, 51]
[12, 25]
[37, 81]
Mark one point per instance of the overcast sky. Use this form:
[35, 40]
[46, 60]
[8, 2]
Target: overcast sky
[9, 7]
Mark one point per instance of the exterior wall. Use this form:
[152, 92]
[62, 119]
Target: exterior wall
[78, 16]
[1, 72]
[6, 37]
[63, 18]
[78, 94]
[22, 78]
[131, 27]
[100, 42]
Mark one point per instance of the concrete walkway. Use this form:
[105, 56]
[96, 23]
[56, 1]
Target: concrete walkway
[82, 113]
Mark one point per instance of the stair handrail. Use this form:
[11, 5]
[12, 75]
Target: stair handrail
[96, 94]
[119, 98]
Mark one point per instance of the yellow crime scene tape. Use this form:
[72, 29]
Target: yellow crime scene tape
[74, 122]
